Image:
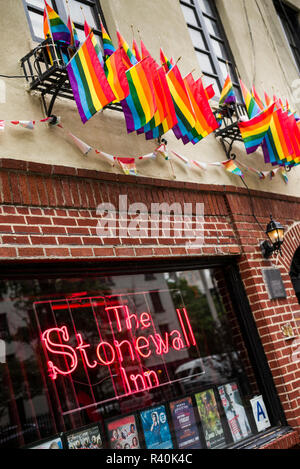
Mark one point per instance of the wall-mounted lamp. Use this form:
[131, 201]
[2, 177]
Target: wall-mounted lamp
[275, 232]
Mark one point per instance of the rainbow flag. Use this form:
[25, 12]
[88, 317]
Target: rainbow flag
[59, 31]
[256, 96]
[115, 72]
[89, 32]
[227, 94]
[232, 168]
[254, 131]
[47, 35]
[108, 46]
[165, 62]
[136, 51]
[129, 57]
[184, 111]
[159, 95]
[267, 99]
[140, 106]
[88, 81]
[171, 119]
[75, 43]
[205, 120]
[128, 166]
[250, 103]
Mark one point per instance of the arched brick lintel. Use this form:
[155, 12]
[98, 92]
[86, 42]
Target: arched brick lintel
[290, 245]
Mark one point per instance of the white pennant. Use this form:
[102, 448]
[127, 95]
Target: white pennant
[83, 147]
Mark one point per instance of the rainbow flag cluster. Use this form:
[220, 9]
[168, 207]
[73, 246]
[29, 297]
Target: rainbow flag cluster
[155, 98]
[273, 126]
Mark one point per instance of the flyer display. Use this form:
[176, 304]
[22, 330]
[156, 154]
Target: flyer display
[235, 411]
[54, 443]
[186, 430]
[210, 418]
[156, 428]
[122, 433]
[88, 438]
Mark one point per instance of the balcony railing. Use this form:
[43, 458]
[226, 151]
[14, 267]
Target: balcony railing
[44, 68]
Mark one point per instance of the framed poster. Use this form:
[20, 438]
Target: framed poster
[123, 434]
[186, 430]
[235, 411]
[156, 428]
[84, 438]
[210, 419]
[50, 443]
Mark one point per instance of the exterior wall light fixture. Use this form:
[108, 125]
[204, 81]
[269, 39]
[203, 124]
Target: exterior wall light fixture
[275, 233]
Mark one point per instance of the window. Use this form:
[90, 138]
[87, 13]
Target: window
[79, 10]
[84, 353]
[211, 47]
[290, 21]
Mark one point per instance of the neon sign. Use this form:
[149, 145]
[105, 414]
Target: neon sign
[131, 342]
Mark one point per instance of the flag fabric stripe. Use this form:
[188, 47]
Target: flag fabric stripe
[254, 131]
[88, 31]
[131, 59]
[59, 30]
[227, 94]
[89, 84]
[251, 106]
[139, 107]
[108, 46]
[116, 75]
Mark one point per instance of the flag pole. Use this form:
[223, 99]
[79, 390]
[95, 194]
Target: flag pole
[54, 47]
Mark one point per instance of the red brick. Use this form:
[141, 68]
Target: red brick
[8, 252]
[64, 221]
[54, 230]
[104, 252]
[34, 220]
[43, 240]
[69, 240]
[12, 219]
[7, 239]
[82, 252]
[57, 252]
[124, 252]
[30, 252]
[6, 195]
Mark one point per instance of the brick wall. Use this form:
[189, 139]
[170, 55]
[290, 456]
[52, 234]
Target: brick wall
[49, 213]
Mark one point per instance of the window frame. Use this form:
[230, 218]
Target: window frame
[237, 294]
[210, 52]
[61, 11]
[284, 12]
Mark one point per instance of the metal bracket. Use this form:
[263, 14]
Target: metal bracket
[229, 132]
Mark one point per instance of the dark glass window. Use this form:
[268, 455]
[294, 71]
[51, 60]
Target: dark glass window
[89, 9]
[290, 20]
[95, 351]
[210, 43]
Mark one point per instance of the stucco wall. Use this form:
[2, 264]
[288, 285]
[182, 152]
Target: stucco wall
[264, 60]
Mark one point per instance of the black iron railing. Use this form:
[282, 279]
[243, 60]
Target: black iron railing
[229, 131]
[44, 68]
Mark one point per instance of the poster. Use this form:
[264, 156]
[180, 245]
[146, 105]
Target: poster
[186, 430]
[88, 438]
[123, 433]
[54, 443]
[235, 411]
[260, 413]
[210, 419]
[156, 428]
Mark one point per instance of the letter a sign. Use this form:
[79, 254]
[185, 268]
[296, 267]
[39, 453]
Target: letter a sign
[260, 413]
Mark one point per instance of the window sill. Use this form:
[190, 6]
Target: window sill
[274, 438]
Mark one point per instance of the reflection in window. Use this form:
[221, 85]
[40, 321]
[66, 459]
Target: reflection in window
[123, 355]
[78, 10]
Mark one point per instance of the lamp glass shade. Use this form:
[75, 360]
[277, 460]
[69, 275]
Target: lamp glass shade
[275, 231]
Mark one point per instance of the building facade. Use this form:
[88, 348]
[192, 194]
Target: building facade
[154, 333]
